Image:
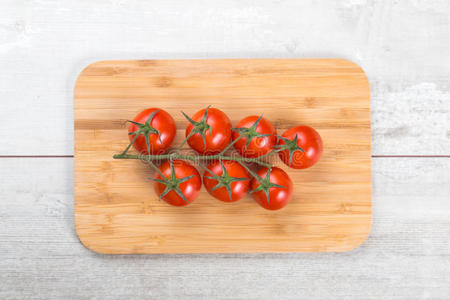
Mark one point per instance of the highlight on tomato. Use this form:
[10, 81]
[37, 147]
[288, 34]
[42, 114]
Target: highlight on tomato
[254, 136]
[226, 180]
[177, 182]
[208, 131]
[300, 147]
[152, 131]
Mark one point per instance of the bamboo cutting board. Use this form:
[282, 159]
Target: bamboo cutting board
[116, 210]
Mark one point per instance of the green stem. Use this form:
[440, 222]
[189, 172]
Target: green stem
[267, 154]
[155, 168]
[230, 145]
[251, 172]
[206, 169]
[184, 142]
[191, 157]
[129, 145]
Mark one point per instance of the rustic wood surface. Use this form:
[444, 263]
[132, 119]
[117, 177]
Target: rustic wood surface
[402, 45]
[407, 254]
[116, 210]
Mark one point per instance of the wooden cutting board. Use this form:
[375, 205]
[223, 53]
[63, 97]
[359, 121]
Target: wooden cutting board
[116, 210]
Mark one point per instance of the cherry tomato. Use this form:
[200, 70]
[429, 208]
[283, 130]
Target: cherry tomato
[226, 180]
[274, 190]
[152, 129]
[302, 147]
[257, 136]
[208, 131]
[181, 183]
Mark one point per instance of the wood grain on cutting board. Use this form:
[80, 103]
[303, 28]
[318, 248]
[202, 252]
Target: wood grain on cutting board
[116, 210]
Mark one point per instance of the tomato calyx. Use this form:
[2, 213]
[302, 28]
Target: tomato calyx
[250, 132]
[265, 185]
[200, 127]
[145, 129]
[224, 180]
[291, 146]
[173, 183]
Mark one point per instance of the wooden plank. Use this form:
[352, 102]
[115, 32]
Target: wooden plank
[116, 210]
[400, 45]
[407, 255]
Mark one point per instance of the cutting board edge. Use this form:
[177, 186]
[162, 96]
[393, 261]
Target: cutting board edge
[352, 246]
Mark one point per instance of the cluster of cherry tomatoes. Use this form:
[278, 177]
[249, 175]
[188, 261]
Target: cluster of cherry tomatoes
[210, 134]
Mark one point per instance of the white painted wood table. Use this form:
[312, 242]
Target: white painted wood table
[404, 47]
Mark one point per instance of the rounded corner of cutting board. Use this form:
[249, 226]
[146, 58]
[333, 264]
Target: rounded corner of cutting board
[86, 68]
[88, 243]
[357, 66]
[358, 242]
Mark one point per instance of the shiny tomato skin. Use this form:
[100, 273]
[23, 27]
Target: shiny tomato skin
[163, 122]
[309, 140]
[238, 188]
[190, 188]
[258, 145]
[279, 197]
[221, 132]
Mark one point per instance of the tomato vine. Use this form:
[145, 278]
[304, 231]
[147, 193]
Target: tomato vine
[181, 186]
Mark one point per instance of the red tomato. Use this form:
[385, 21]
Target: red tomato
[154, 125]
[273, 190]
[258, 136]
[181, 184]
[209, 131]
[302, 147]
[226, 180]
